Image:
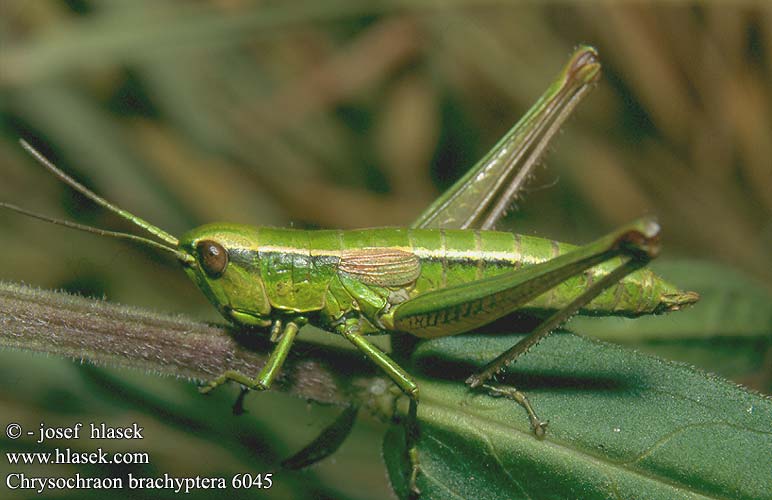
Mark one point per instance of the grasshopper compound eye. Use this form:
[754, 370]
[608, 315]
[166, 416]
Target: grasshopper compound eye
[212, 257]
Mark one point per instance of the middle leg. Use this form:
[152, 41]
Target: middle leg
[350, 331]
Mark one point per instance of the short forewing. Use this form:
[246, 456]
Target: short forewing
[381, 266]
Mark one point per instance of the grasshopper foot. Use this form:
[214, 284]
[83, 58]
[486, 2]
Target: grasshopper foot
[235, 376]
[538, 426]
[415, 470]
[212, 384]
[411, 436]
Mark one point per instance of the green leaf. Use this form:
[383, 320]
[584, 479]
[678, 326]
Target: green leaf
[622, 425]
[397, 462]
[729, 331]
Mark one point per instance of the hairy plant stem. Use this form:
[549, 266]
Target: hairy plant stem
[96, 331]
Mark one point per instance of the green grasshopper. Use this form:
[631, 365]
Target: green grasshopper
[447, 274]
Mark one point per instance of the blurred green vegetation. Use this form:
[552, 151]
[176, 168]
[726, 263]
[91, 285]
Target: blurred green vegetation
[350, 114]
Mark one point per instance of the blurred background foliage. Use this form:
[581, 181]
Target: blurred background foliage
[354, 114]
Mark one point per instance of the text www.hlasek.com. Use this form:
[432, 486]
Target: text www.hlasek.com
[67, 456]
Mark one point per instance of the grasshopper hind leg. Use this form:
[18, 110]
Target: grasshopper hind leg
[638, 248]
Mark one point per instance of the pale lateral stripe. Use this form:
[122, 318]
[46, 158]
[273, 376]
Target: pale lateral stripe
[555, 293]
[479, 252]
[424, 253]
[443, 258]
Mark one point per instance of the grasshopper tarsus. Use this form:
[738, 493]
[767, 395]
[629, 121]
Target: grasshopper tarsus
[415, 471]
[538, 426]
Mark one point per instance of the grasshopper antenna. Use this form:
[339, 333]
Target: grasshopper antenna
[171, 241]
[94, 230]
[137, 221]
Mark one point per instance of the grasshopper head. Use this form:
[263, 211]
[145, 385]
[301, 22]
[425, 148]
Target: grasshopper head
[225, 267]
[220, 258]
